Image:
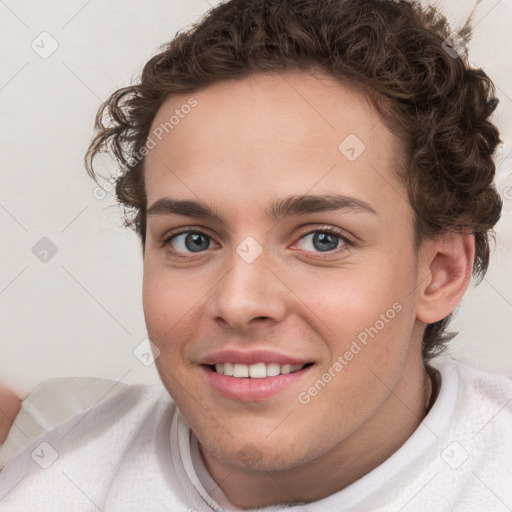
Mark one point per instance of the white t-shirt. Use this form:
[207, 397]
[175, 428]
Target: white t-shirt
[135, 452]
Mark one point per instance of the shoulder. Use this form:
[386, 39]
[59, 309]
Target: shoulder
[458, 459]
[98, 434]
[55, 401]
[473, 421]
[472, 416]
[473, 385]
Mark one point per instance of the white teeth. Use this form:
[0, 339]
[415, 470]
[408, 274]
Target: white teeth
[240, 370]
[286, 368]
[257, 370]
[273, 369]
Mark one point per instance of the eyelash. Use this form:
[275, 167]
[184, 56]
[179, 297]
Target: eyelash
[347, 242]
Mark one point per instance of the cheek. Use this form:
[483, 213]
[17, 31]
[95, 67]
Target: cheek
[366, 323]
[366, 319]
[170, 311]
[349, 300]
[166, 302]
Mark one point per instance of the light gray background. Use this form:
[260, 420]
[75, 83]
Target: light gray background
[80, 312]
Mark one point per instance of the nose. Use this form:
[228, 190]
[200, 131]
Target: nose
[250, 293]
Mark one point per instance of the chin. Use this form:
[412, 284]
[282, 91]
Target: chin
[255, 455]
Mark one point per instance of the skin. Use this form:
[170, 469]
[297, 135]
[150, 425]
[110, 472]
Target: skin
[245, 144]
[10, 405]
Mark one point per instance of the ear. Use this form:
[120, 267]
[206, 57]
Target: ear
[444, 274]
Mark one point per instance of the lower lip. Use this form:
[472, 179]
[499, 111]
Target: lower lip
[246, 389]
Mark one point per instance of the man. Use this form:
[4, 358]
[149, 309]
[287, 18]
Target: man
[312, 184]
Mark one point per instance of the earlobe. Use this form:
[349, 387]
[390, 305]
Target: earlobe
[445, 272]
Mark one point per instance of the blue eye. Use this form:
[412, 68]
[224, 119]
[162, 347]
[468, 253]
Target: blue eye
[193, 241]
[324, 240]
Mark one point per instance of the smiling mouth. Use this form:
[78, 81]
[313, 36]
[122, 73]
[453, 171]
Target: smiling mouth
[256, 370]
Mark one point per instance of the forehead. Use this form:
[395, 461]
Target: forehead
[279, 134]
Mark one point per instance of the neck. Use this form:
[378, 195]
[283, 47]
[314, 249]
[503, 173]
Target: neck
[362, 451]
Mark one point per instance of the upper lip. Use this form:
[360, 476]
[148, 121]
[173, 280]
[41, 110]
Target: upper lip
[251, 357]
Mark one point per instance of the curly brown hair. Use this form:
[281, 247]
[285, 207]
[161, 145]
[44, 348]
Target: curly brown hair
[396, 52]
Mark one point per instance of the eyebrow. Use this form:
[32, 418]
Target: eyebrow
[285, 207]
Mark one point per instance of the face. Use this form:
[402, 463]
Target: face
[295, 271]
